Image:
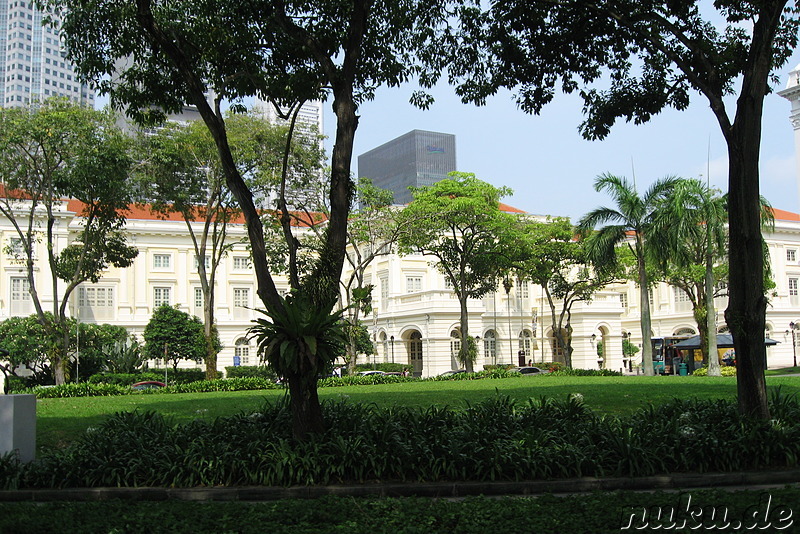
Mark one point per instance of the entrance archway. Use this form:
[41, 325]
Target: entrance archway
[414, 347]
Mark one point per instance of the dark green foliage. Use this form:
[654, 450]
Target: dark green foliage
[222, 384]
[246, 371]
[299, 337]
[358, 380]
[569, 371]
[387, 367]
[493, 440]
[174, 335]
[596, 513]
[180, 376]
[125, 356]
[82, 389]
[122, 387]
[124, 379]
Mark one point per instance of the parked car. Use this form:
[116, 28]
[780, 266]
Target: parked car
[367, 373]
[453, 372]
[528, 370]
[148, 384]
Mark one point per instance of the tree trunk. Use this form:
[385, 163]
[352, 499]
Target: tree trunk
[208, 332]
[711, 323]
[464, 351]
[747, 305]
[306, 410]
[644, 303]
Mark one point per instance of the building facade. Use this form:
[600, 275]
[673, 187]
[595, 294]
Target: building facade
[415, 320]
[33, 59]
[415, 159]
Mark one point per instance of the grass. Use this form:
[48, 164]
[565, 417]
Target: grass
[59, 421]
[782, 371]
[598, 513]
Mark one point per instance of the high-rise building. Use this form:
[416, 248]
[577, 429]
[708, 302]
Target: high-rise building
[33, 59]
[415, 159]
[309, 117]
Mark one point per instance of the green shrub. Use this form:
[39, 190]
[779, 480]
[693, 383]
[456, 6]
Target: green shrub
[247, 371]
[569, 371]
[368, 380]
[15, 384]
[180, 376]
[222, 384]
[502, 367]
[10, 470]
[82, 389]
[124, 379]
[497, 439]
[724, 370]
[385, 367]
[551, 366]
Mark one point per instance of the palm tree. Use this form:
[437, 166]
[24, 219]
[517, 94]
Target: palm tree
[633, 221]
[693, 225]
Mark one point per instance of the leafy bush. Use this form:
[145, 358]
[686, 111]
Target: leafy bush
[385, 367]
[492, 367]
[367, 380]
[247, 371]
[222, 384]
[10, 470]
[552, 366]
[180, 376]
[124, 379]
[493, 440]
[15, 384]
[569, 371]
[83, 389]
[724, 370]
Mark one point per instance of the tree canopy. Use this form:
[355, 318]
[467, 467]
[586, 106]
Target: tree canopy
[630, 59]
[164, 55]
[173, 335]
[54, 152]
[458, 221]
[552, 255]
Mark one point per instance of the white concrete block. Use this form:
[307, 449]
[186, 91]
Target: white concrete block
[18, 425]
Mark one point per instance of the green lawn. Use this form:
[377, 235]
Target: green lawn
[761, 510]
[60, 420]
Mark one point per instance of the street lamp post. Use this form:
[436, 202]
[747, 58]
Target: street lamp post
[794, 345]
[391, 338]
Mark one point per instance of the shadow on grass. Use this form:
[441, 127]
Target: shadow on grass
[60, 421]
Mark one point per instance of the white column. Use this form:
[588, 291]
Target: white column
[792, 94]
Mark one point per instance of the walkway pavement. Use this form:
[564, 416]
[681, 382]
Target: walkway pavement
[674, 482]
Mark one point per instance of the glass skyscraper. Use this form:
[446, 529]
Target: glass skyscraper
[415, 159]
[33, 59]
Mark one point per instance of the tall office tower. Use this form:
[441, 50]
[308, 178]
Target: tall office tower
[415, 159]
[33, 59]
[310, 114]
[309, 120]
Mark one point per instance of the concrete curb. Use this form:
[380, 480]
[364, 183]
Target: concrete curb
[678, 481]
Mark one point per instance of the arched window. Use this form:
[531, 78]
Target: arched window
[490, 347]
[455, 346]
[415, 352]
[242, 351]
[525, 343]
[385, 345]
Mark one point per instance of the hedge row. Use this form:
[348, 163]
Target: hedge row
[497, 439]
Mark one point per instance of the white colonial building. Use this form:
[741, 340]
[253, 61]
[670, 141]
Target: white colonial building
[416, 315]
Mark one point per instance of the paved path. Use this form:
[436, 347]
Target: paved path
[676, 482]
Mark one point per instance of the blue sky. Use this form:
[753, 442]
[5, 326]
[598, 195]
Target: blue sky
[551, 168]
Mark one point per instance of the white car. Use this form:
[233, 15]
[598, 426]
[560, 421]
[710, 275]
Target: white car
[367, 373]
